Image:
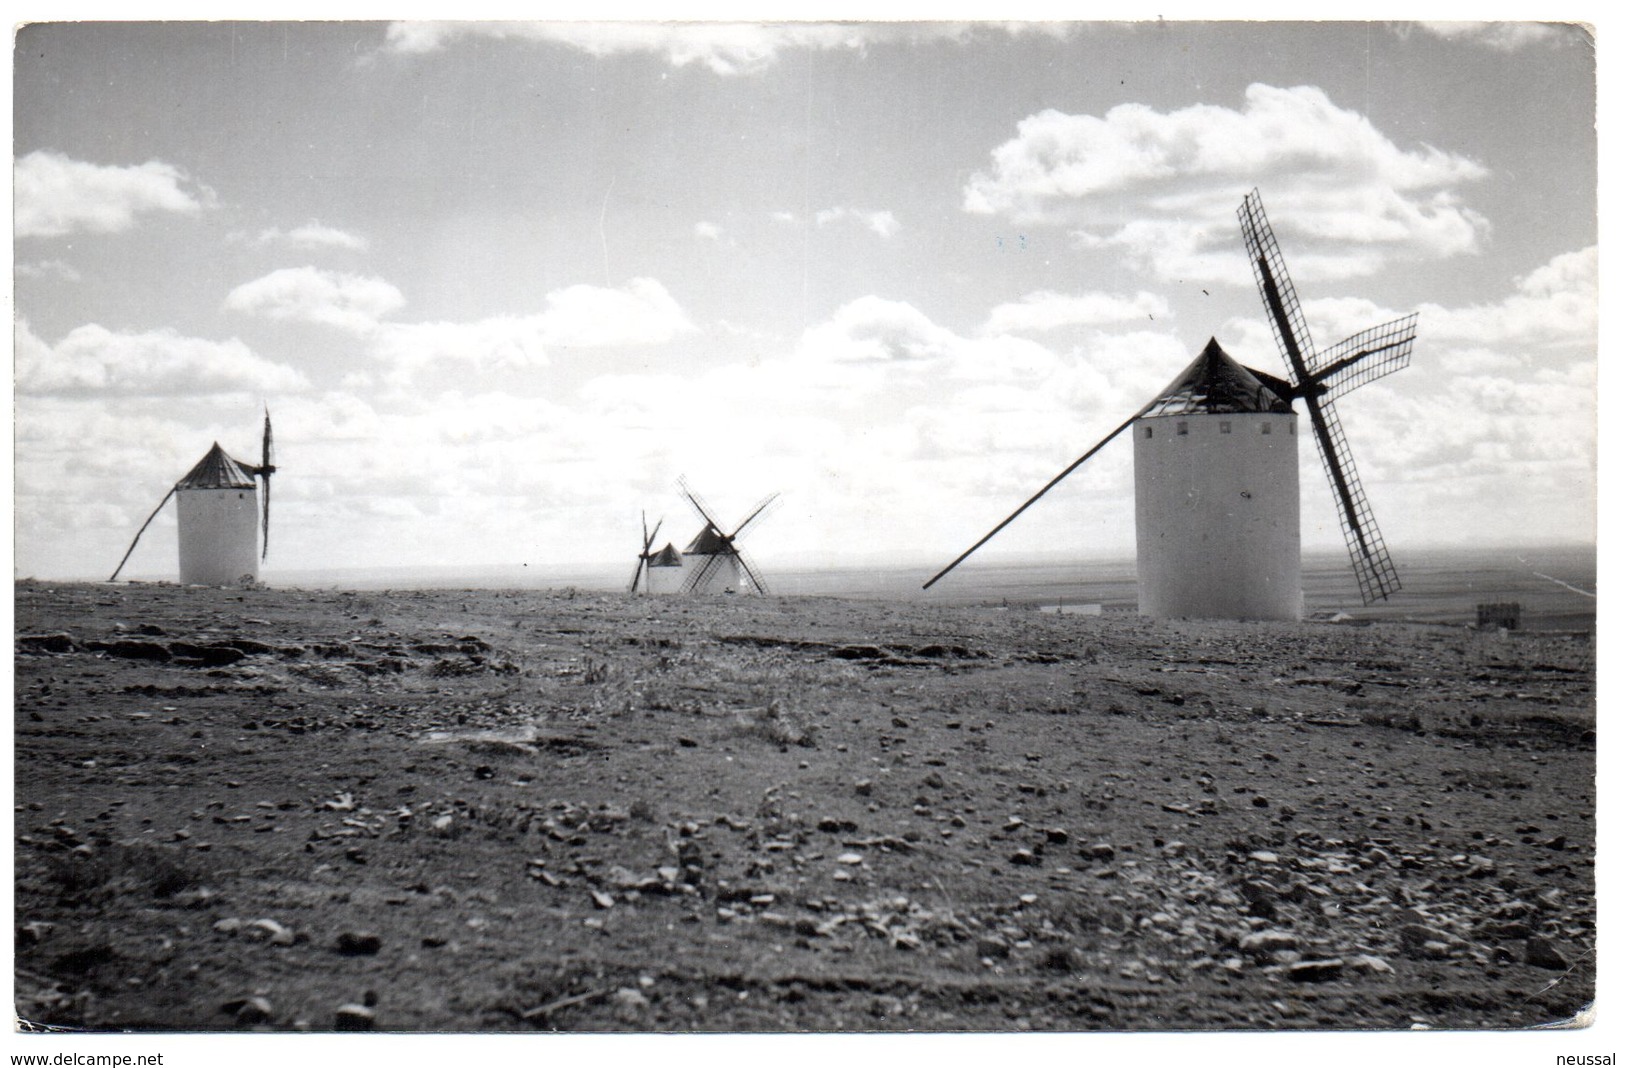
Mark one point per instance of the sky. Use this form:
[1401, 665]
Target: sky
[500, 285]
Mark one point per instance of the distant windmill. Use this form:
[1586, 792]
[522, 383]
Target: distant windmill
[215, 512]
[1216, 463]
[660, 572]
[712, 560]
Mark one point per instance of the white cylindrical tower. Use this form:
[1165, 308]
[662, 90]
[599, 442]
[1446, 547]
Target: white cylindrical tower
[1216, 497]
[217, 508]
[665, 572]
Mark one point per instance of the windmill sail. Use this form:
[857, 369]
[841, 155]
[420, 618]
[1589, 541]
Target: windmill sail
[1319, 379]
[266, 470]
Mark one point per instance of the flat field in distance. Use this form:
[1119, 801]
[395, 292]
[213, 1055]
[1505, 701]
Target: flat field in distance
[478, 810]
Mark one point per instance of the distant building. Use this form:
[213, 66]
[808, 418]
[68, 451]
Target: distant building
[665, 574]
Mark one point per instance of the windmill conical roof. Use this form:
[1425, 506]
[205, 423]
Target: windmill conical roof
[1216, 383]
[667, 557]
[708, 542]
[217, 471]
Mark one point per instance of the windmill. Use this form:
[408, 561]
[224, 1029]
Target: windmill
[713, 560]
[216, 512]
[645, 556]
[660, 572]
[1216, 463]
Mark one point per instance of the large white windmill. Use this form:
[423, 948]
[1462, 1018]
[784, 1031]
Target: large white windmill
[217, 504]
[1216, 463]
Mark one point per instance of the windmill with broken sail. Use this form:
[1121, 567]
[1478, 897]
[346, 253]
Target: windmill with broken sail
[217, 510]
[1216, 463]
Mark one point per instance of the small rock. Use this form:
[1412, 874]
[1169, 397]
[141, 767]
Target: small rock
[849, 858]
[353, 1017]
[1413, 935]
[1542, 954]
[358, 943]
[1315, 971]
[1056, 835]
[1100, 851]
[1262, 943]
[229, 926]
[252, 1011]
[1371, 965]
[269, 931]
[602, 900]
[933, 780]
[1024, 858]
[864, 787]
[1263, 856]
[630, 1004]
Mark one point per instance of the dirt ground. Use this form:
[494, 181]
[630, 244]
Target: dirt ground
[480, 810]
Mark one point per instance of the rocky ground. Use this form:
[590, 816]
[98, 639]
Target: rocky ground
[477, 810]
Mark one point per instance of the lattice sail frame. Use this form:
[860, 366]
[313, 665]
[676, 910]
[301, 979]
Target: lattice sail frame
[1320, 378]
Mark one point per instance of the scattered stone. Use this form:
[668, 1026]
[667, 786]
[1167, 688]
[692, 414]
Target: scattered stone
[353, 1017]
[1056, 835]
[1315, 971]
[1263, 856]
[358, 943]
[864, 787]
[1024, 858]
[1263, 943]
[832, 825]
[1100, 851]
[1542, 954]
[228, 926]
[251, 1011]
[269, 931]
[45, 643]
[1365, 962]
[849, 858]
[602, 900]
[932, 780]
[630, 1004]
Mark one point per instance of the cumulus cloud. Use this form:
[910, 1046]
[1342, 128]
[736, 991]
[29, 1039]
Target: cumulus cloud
[1497, 36]
[311, 295]
[580, 316]
[312, 235]
[1046, 310]
[723, 48]
[54, 195]
[92, 360]
[1162, 187]
[883, 223]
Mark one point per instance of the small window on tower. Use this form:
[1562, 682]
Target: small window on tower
[1292, 428]
[1265, 428]
[1224, 426]
[1182, 428]
[1147, 431]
